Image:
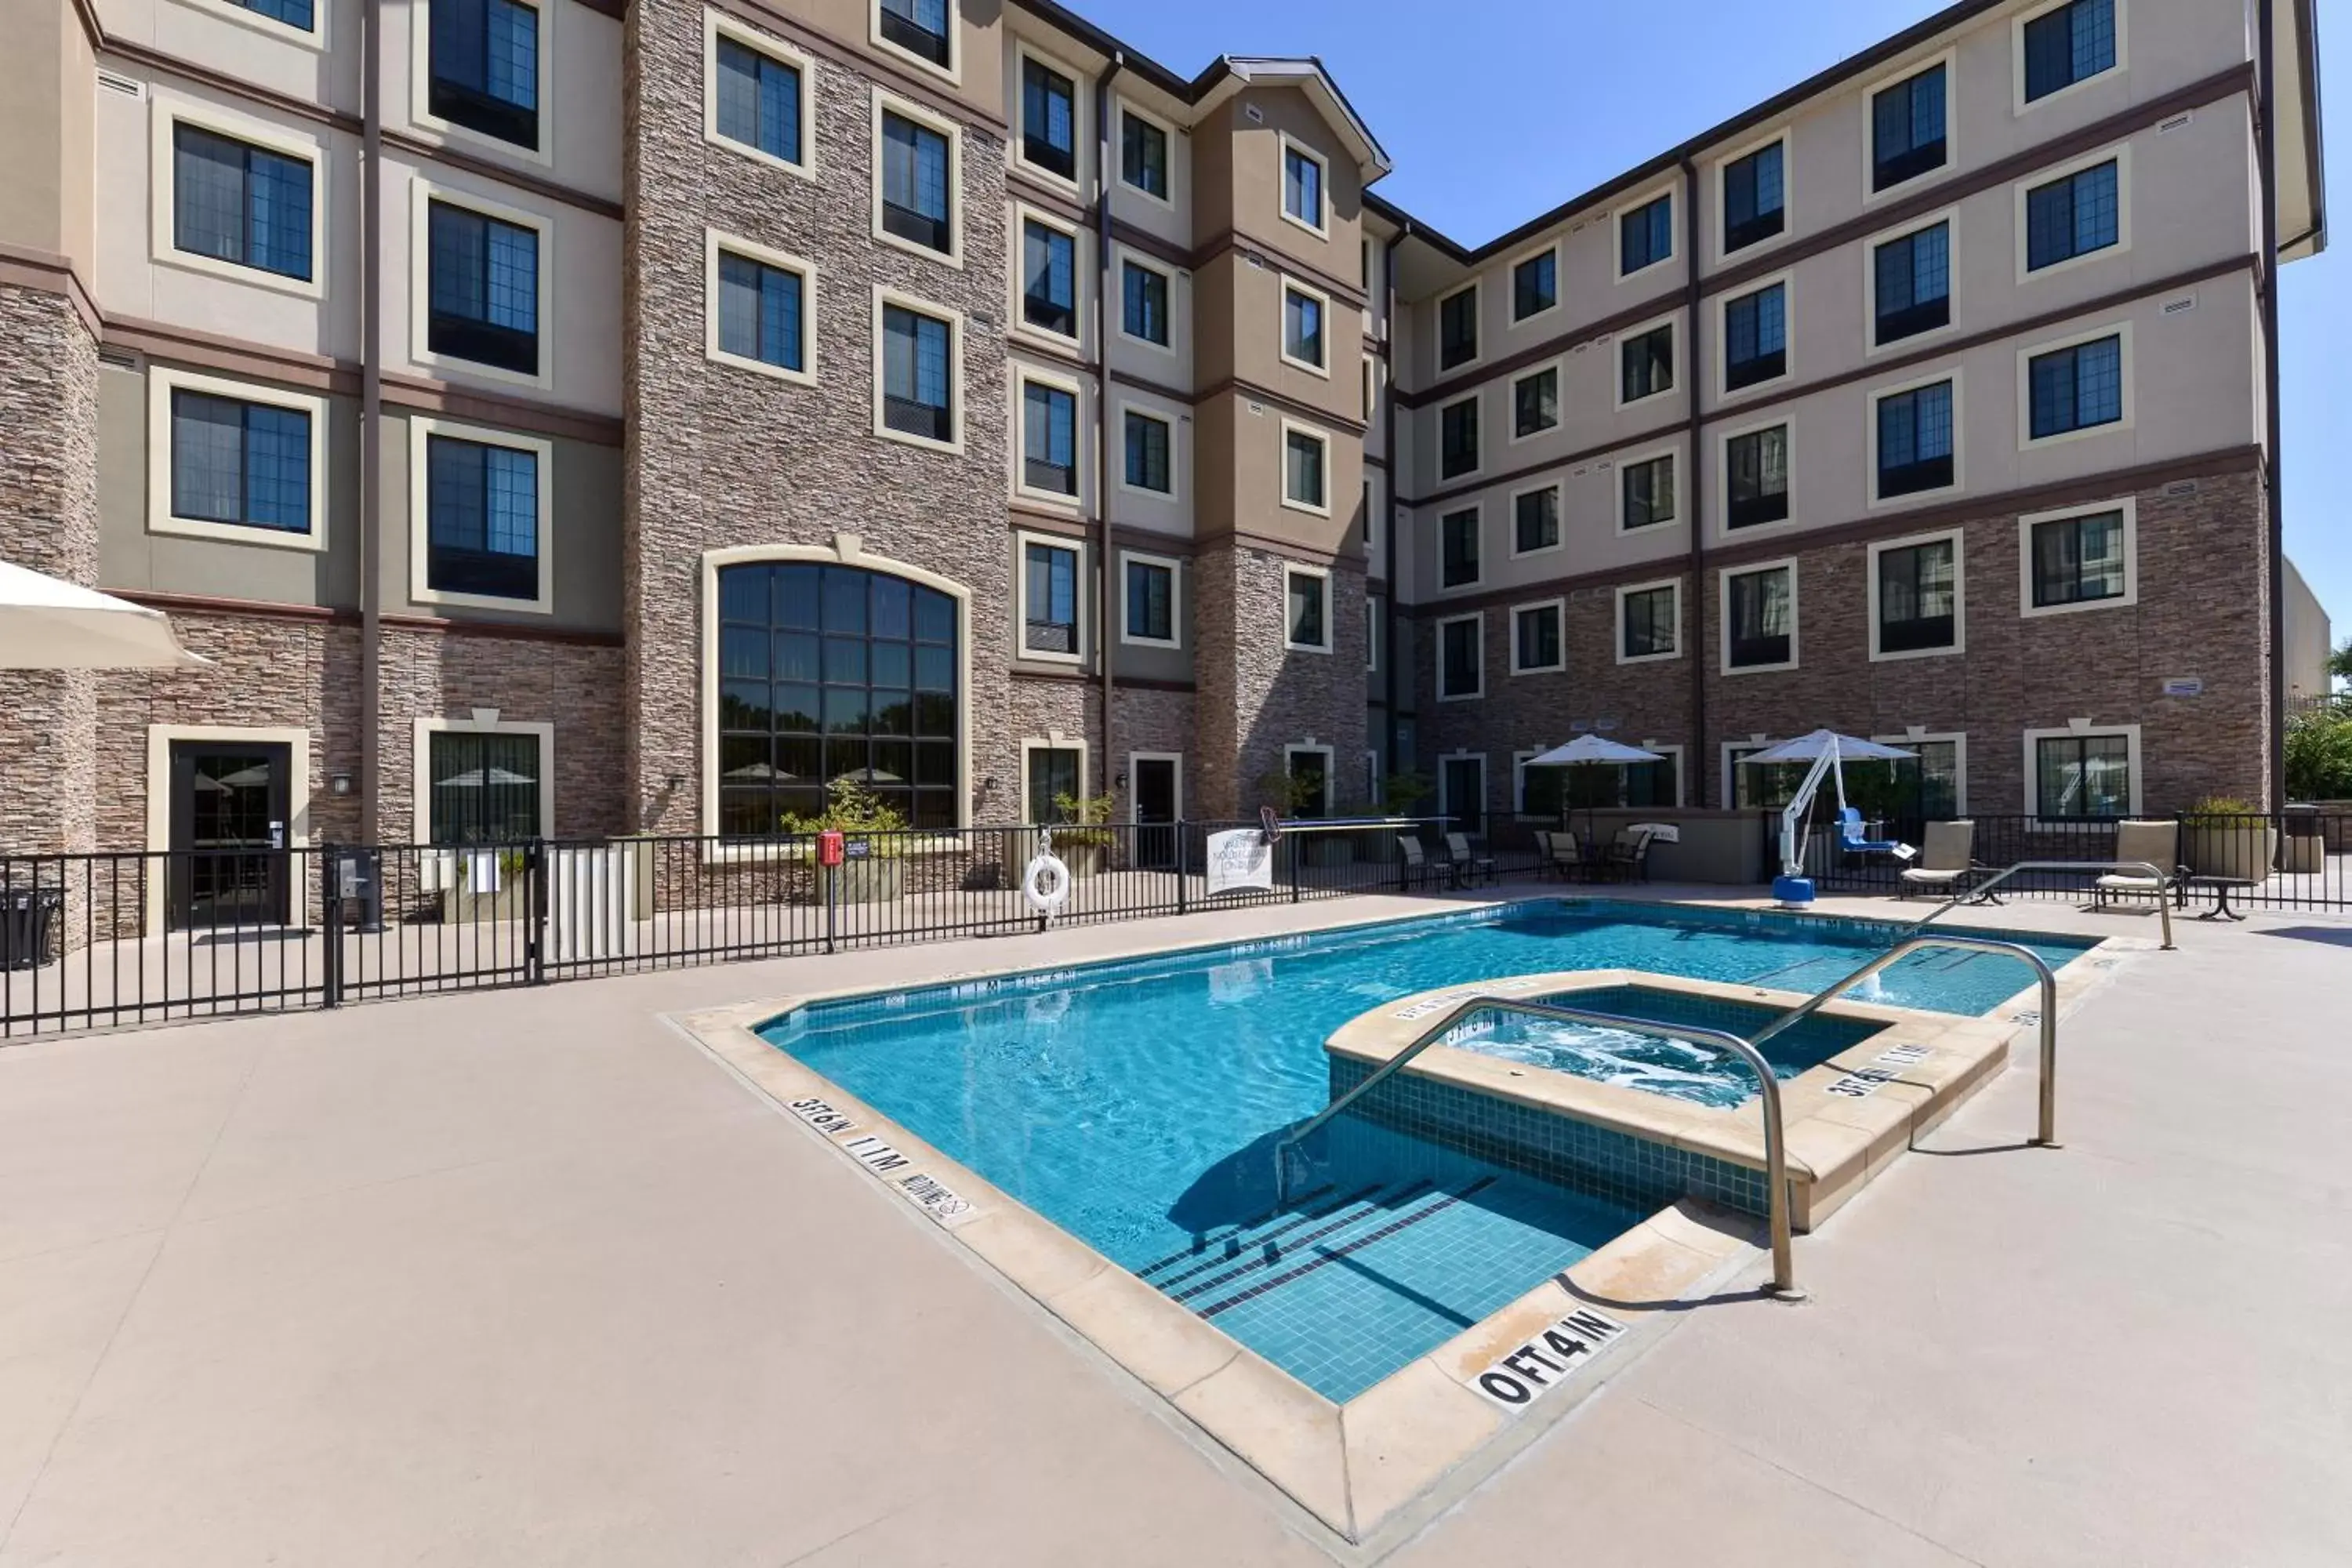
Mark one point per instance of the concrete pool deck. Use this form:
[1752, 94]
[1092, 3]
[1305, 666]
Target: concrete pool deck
[526, 1277]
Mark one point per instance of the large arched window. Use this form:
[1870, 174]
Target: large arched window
[827, 672]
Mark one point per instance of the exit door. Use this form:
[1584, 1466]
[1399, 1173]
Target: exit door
[230, 803]
[1156, 809]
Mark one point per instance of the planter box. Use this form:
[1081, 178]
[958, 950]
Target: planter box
[2246, 853]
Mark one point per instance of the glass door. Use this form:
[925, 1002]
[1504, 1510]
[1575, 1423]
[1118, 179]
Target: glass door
[229, 821]
[1155, 813]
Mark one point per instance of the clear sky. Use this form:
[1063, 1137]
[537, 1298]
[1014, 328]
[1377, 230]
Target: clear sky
[1495, 110]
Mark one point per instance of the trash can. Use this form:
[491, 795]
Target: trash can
[26, 916]
[359, 882]
[2305, 850]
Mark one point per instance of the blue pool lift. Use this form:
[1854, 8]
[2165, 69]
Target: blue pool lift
[1828, 751]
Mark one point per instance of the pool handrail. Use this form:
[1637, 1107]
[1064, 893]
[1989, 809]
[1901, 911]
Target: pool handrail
[1982, 891]
[1776, 1168]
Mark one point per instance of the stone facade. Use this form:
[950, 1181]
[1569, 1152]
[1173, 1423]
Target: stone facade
[1256, 695]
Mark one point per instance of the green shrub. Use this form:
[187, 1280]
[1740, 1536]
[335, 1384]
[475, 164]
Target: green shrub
[2319, 756]
[1083, 819]
[2221, 805]
[852, 811]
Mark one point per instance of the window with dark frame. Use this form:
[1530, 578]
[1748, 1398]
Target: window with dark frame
[293, 12]
[2074, 43]
[1461, 650]
[919, 27]
[1302, 327]
[1049, 278]
[1649, 491]
[1912, 280]
[1762, 618]
[481, 519]
[1918, 598]
[1302, 187]
[760, 312]
[1457, 439]
[1302, 469]
[1049, 439]
[2079, 560]
[1754, 199]
[1049, 608]
[1645, 236]
[1307, 593]
[482, 788]
[483, 289]
[1150, 601]
[1143, 156]
[914, 183]
[759, 101]
[2077, 388]
[2082, 777]
[1053, 776]
[1756, 337]
[1646, 363]
[1907, 129]
[1536, 634]
[1535, 521]
[1534, 402]
[485, 68]
[1535, 285]
[234, 202]
[1049, 137]
[1144, 303]
[239, 462]
[2074, 216]
[1457, 329]
[1147, 466]
[1757, 475]
[1309, 770]
[1652, 622]
[917, 374]
[1457, 542]
[1914, 441]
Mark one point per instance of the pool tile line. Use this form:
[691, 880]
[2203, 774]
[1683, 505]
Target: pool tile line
[1412, 1192]
[1234, 1246]
[1327, 1255]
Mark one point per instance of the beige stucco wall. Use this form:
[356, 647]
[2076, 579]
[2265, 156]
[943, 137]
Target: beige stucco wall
[2310, 639]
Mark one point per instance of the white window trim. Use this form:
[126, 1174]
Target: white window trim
[420, 80]
[1438, 631]
[1617, 468]
[2119, 153]
[1618, 401]
[1723, 616]
[885, 295]
[1511, 281]
[1282, 467]
[1949, 58]
[1124, 257]
[1960, 595]
[715, 241]
[1371, 380]
[1871, 347]
[1511, 521]
[1018, 324]
[422, 194]
[1724, 532]
[2073, 729]
[1731, 767]
[1175, 568]
[886, 102]
[1372, 617]
[1176, 763]
[164, 183]
[1021, 540]
[1291, 569]
[1372, 780]
[1558, 608]
[1321, 228]
[1081, 142]
[716, 24]
[1449, 807]
[1519, 760]
[421, 428]
[1717, 182]
[1175, 490]
[1477, 328]
[2017, 56]
[1674, 752]
[1877, 394]
[1330, 768]
[1128, 106]
[1511, 437]
[164, 380]
[1023, 373]
[1323, 326]
[1477, 507]
[1958, 740]
[314, 39]
[1725, 393]
[2026, 355]
[2129, 507]
[1674, 230]
[1053, 740]
[952, 71]
[296, 739]
[1625, 591]
[420, 798]
[1475, 469]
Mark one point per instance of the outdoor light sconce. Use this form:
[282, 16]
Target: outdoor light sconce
[674, 782]
[339, 783]
[1118, 779]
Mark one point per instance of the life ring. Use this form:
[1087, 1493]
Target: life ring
[1047, 884]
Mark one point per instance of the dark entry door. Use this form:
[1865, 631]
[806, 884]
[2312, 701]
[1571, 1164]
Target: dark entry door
[230, 803]
[1464, 782]
[1155, 813]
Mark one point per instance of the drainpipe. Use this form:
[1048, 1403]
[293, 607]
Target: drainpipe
[2266, 141]
[1105, 641]
[371, 413]
[1385, 402]
[1699, 773]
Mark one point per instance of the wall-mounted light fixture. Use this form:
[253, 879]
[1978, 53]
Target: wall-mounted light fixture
[339, 783]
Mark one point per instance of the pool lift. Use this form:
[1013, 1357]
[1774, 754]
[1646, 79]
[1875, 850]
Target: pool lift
[1828, 751]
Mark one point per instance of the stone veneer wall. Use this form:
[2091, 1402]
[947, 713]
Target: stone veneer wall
[1256, 697]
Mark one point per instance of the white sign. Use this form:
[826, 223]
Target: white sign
[1548, 1360]
[1238, 859]
[2188, 686]
[937, 1200]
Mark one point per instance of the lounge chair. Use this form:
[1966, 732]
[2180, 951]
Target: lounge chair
[2156, 843]
[1468, 867]
[1946, 862]
[1628, 855]
[1418, 870]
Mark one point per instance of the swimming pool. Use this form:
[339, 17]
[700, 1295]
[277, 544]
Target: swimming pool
[1135, 1104]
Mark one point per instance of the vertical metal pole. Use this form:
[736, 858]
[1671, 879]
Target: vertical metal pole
[535, 869]
[1183, 882]
[1292, 840]
[330, 915]
[832, 895]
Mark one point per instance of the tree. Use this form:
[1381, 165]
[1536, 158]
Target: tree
[2340, 663]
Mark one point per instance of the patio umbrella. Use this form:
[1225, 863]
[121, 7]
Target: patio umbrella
[1828, 751]
[1813, 747]
[1594, 751]
[45, 624]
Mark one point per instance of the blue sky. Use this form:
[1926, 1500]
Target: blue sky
[1496, 109]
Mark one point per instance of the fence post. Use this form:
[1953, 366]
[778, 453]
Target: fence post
[829, 876]
[1183, 882]
[534, 861]
[1293, 840]
[331, 913]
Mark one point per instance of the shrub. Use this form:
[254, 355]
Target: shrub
[2319, 756]
[851, 810]
[1083, 819]
[2221, 805]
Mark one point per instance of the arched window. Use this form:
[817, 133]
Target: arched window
[826, 672]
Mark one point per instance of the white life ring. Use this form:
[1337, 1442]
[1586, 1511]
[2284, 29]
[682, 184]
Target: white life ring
[1047, 884]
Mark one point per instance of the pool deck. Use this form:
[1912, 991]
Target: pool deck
[527, 1277]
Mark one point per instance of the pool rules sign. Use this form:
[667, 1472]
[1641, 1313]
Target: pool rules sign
[1241, 858]
[1548, 1359]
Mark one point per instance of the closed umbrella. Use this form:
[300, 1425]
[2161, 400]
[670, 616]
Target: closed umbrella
[47, 624]
[1594, 751]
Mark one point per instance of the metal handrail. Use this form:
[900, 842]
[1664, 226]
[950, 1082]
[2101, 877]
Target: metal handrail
[1983, 889]
[1776, 1169]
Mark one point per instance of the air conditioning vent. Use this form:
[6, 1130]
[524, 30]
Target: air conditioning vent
[1256, 115]
[129, 86]
[2179, 488]
[121, 359]
[2181, 306]
[2175, 122]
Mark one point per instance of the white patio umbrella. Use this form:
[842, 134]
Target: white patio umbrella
[46, 624]
[1828, 751]
[1594, 751]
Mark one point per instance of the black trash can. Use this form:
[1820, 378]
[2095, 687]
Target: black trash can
[26, 916]
[359, 882]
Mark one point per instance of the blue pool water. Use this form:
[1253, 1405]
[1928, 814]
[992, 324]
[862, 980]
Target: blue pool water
[1136, 1105]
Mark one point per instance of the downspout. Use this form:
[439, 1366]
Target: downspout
[1384, 403]
[370, 584]
[1699, 770]
[2266, 145]
[1104, 580]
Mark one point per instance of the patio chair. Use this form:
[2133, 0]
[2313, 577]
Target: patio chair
[1561, 855]
[1467, 867]
[1628, 855]
[1418, 870]
[2156, 843]
[1946, 862]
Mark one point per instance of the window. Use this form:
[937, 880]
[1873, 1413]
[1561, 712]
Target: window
[2083, 774]
[1302, 185]
[1935, 787]
[1457, 547]
[1907, 129]
[920, 28]
[2077, 388]
[293, 12]
[1541, 791]
[1646, 364]
[1302, 327]
[1461, 651]
[1458, 328]
[1052, 776]
[1759, 618]
[1648, 495]
[1769, 788]
[484, 289]
[1309, 769]
[1304, 459]
[2079, 563]
[483, 787]
[1372, 614]
[1143, 155]
[1049, 137]
[1649, 622]
[1535, 285]
[485, 68]
[1536, 639]
[1049, 439]
[1754, 203]
[1049, 599]
[1756, 472]
[240, 203]
[828, 672]
[1049, 280]
[1458, 439]
[917, 178]
[1143, 309]
[483, 510]
[759, 99]
[1645, 236]
[1911, 283]
[1462, 791]
[1915, 598]
[762, 309]
[919, 374]
[239, 466]
[1756, 337]
[1914, 441]
[1535, 521]
[1147, 453]
[2074, 215]
[1150, 601]
[2072, 42]
[1535, 403]
[1306, 618]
